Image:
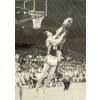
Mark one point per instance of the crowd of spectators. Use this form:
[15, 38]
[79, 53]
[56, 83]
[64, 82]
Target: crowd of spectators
[32, 60]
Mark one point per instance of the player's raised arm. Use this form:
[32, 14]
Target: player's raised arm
[67, 23]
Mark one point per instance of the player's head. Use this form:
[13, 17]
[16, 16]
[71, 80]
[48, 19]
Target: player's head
[49, 34]
[68, 22]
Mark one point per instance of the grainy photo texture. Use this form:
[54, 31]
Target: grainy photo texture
[50, 49]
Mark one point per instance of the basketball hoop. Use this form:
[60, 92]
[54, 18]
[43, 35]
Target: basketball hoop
[37, 16]
[37, 22]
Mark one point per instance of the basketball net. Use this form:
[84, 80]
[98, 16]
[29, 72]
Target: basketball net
[37, 22]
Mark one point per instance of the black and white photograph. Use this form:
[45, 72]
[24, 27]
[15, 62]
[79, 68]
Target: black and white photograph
[50, 49]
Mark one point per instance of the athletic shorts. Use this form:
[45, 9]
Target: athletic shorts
[51, 60]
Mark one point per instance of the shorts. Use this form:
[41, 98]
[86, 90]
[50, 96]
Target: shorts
[51, 60]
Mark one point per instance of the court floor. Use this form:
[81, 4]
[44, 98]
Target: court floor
[75, 92]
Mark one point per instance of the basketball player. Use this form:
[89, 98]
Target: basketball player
[19, 85]
[18, 80]
[54, 55]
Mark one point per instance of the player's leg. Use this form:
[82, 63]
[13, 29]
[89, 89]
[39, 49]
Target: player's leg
[44, 71]
[50, 75]
[19, 85]
[65, 86]
[68, 84]
[20, 90]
